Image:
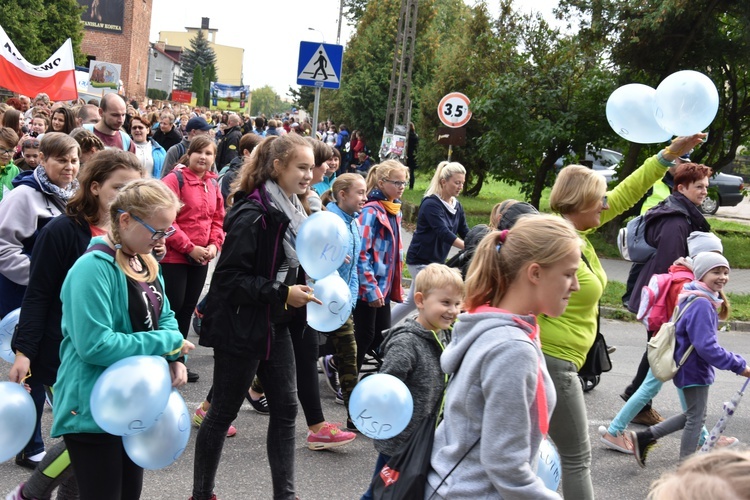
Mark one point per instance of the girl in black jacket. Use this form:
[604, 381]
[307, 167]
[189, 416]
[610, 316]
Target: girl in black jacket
[257, 289]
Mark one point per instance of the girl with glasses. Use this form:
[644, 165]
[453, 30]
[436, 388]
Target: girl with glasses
[8, 170]
[379, 263]
[108, 319]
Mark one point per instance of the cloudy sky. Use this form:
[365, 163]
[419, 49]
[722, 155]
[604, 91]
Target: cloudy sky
[270, 31]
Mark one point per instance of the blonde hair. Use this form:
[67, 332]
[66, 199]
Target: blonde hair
[259, 167]
[438, 276]
[720, 475]
[576, 189]
[501, 255]
[382, 171]
[141, 198]
[725, 308]
[444, 171]
[343, 182]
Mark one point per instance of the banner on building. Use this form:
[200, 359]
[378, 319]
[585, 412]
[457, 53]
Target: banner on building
[104, 77]
[55, 77]
[230, 97]
[103, 15]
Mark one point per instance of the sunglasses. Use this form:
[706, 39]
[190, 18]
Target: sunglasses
[155, 234]
[31, 143]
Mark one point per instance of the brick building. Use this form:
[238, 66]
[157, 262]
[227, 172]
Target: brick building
[118, 33]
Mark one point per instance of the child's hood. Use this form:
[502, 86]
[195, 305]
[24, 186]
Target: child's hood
[411, 326]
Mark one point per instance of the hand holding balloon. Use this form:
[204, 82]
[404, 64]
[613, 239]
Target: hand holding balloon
[178, 372]
[187, 346]
[682, 145]
[20, 369]
[301, 295]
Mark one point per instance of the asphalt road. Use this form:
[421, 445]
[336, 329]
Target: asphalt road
[343, 474]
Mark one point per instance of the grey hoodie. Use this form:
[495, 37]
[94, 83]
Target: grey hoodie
[492, 396]
[412, 354]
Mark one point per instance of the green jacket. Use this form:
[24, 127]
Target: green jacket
[97, 333]
[660, 193]
[571, 335]
[7, 174]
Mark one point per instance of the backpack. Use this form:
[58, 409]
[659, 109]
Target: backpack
[123, 135]
[181, 180]
[660, 349]
[631, 241]
[654, 307]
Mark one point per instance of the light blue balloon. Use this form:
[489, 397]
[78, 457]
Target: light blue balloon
[686, 102]
[18, 417]
[161, 444]
[322, 244]
[381, 406]
[7, 327]
[630, 113]
[334, 292]
[130, 395]
[548, 466]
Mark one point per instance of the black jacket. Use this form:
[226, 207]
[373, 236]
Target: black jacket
[229, 147]
[245, 300]
[39, 333]
[169, 139]
[668, 226]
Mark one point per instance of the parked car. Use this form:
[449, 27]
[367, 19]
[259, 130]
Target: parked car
[724, 190]
[602, 161]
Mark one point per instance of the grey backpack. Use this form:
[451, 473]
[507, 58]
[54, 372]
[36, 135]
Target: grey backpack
[631, 240]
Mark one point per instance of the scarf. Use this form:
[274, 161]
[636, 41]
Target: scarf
[699, 289]
[293, 209]
[392, 207]
[63, 194]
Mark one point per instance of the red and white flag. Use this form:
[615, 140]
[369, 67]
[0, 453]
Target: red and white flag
[55, 77]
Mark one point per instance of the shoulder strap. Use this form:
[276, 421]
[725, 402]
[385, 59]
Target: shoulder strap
[599, 304]
[180, 179]
[442, 481]
[125, 140]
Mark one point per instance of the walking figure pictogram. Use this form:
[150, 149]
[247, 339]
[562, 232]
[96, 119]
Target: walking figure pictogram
[322, 63]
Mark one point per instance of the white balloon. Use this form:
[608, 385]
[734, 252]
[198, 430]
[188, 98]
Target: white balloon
[334, 292]
[630, 113]
[7, 327]
[322, 244]
[686, 102]
[18, 417]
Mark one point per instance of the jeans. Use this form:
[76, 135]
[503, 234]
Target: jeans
[568, 429]
[232, 376]
[379, 464]
[36, 443]
[691, 421]
[102, 467]
[183, 284]
[401, 311]
[648, 390]
[369, 323]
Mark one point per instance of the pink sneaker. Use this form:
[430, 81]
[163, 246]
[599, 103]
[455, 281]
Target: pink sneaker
[329, 436]
[200, 414]
[620, 442]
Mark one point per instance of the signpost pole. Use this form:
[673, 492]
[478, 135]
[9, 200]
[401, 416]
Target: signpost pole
[316, 106]
[450, 151]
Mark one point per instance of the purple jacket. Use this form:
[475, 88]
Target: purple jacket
[699, 327]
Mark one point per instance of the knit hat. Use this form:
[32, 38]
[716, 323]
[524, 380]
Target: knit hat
[701, 241]
[705, 261]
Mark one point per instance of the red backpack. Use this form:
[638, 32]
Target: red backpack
[659, 297]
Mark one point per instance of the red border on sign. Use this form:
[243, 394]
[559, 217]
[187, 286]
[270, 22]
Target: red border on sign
[456, 124]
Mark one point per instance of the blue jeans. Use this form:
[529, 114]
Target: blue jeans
[379, 464]
[647, 391]
[232, 376]
[36, 443]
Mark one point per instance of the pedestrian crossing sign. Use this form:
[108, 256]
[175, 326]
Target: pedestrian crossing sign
[319, 65]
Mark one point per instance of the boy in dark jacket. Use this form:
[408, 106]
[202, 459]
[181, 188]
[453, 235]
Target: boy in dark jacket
[411, 350]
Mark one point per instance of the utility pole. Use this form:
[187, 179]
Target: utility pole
[398, 113]
[341, 17]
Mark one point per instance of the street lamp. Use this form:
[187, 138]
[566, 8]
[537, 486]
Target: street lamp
[321, 33]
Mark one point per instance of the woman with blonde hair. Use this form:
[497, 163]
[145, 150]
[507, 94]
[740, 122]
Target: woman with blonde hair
[441, 224]
[379, 263]
[485, 447]
[123, 312]
[580, 195]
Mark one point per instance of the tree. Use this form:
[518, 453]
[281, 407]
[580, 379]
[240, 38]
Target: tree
[198, 87]
[266, 100]
[200, 54]
[303, 98]
[38, 27]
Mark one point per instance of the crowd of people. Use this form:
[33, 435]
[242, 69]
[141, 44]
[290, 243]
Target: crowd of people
[110, 215]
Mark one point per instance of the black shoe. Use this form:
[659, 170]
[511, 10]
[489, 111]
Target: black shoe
[642, 444]
[350, 426]
[192, 376]
[261, 405]
[26, 462]
[624, 396]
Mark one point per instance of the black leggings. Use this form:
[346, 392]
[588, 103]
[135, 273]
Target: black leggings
[103, 468]
[305, 342]
[183, 285]
[369, 323]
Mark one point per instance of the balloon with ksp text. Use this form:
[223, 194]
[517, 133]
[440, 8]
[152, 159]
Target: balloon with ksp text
[381, 406]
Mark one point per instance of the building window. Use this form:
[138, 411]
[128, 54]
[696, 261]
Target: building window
[157, 75]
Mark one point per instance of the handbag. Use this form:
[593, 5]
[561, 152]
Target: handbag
[597, 359]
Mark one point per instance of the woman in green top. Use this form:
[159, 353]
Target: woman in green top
[580, 195]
